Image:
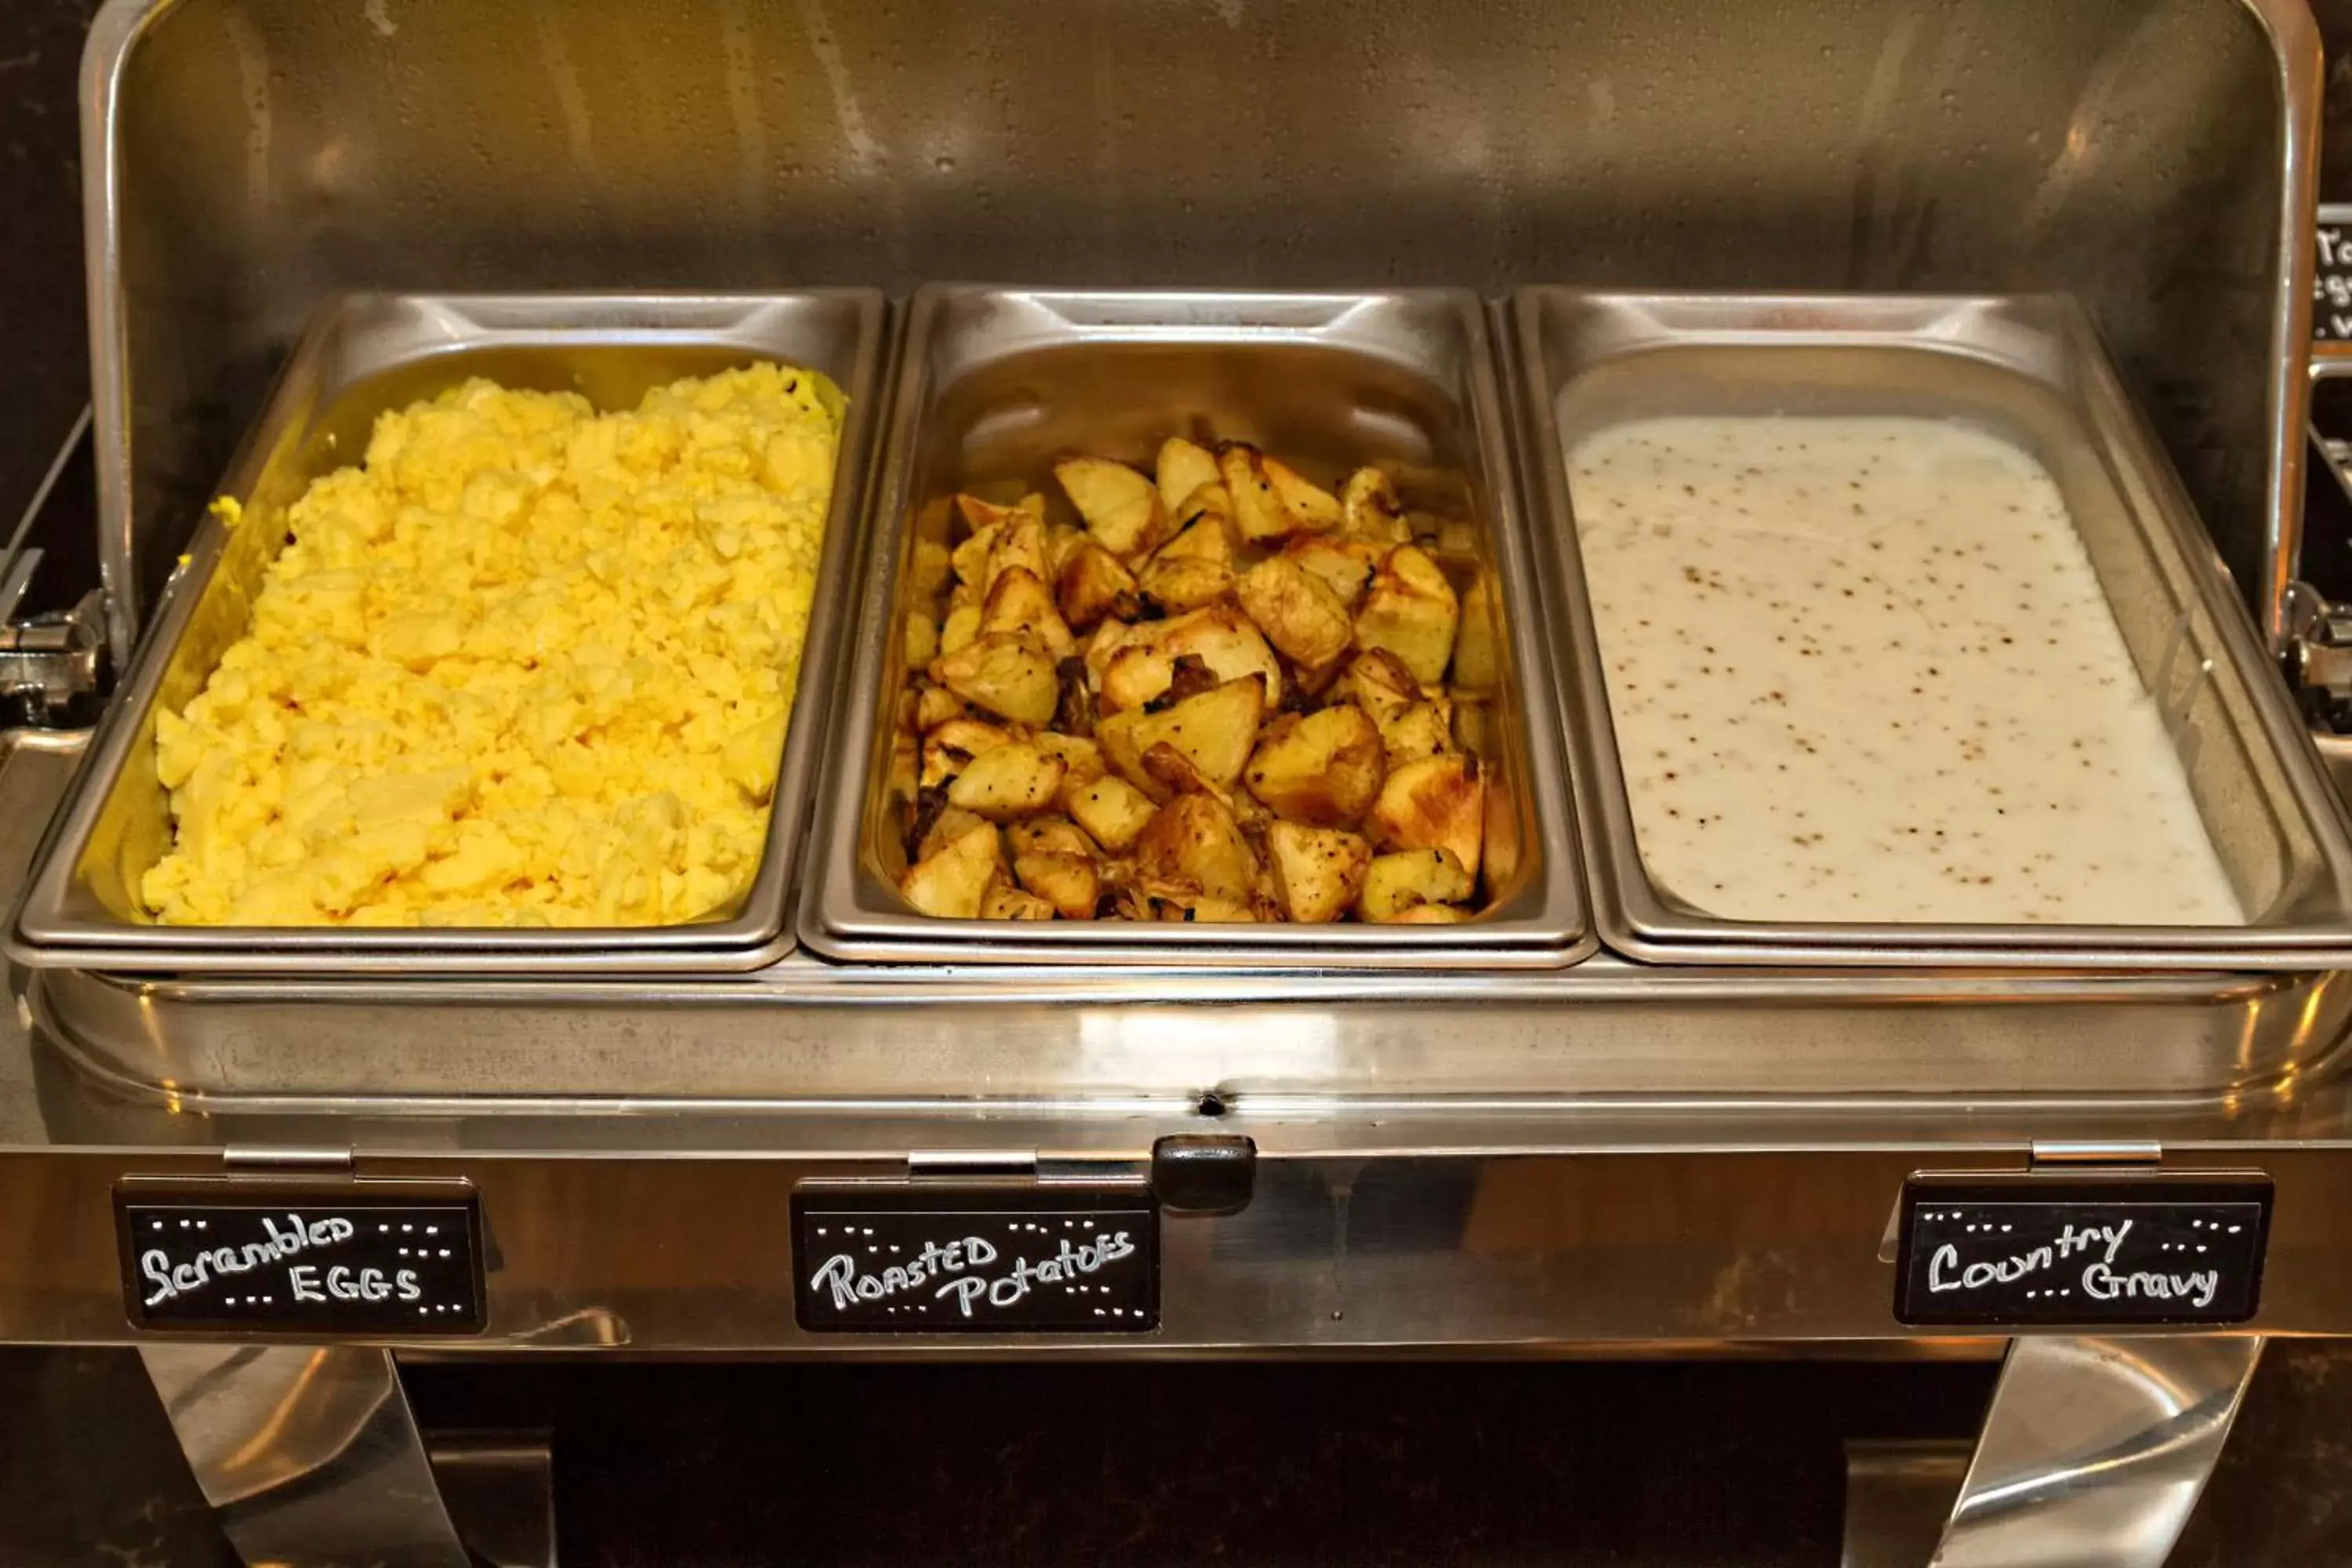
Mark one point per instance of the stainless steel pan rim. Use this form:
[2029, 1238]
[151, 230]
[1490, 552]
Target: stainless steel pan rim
[58, 922]
[849, 913]
[2021, 336]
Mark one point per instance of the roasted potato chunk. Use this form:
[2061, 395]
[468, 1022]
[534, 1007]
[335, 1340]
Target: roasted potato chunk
[1343, 565]
[960, 630]
[1214, 731]
[950, 882]
[1185, 583]
[1047, 836]
[1370, 509]
[1298, 613]
[1121, 508]
[1220, 637]
[1003, 902]
[1193, 569]
[1008, 781]
[1379, 683]
[1424, 729]
[946, 825]
[950, 747]
[1194, 845]
[1094, 585]
[1430, 915]
[921, 634]
[1257, 506]
[1477, 652]
[1175, 774]
[1113, 812]
[1312, 508]
[1070, 882]
[1182, 905]
[1062, 542]
[1183, 466]
[972, 556]
[1317, 871]
[1439, 803]
[1020, 602]
[1079, 754]
[1020, 545]
[1412, 612]
[1394, 885]
[932, 565]
[1207, 535]
[980, 515]
[1323, 769]
[934, 706]
[1003, 674]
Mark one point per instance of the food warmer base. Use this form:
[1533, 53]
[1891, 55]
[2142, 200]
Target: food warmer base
[1736, 1223]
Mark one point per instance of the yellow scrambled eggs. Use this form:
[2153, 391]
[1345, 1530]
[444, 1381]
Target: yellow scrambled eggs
[529, 664]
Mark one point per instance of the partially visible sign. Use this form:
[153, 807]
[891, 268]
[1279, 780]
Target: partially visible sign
[261, 1258]
[2033, 1250]
[976, 1258]
[2331, 283]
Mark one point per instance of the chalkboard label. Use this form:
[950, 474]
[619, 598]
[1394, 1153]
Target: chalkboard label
[976, 1258]
[2331, 282]
[2033, 1249]
[223, 1257]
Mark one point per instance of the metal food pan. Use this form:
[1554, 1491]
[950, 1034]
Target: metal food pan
[363, 354]
[2029, 370]
[995, 384]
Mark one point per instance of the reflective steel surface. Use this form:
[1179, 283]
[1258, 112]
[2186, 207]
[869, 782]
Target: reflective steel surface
[2095, 1450]
[2154, 158]
[2031, 370]
[364, 355]
[814, 1033]
[309, 1454]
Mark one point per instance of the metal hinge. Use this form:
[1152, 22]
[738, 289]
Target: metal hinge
[48, 664]
[278, 1159]
[2318, 658]
[2072, 1151]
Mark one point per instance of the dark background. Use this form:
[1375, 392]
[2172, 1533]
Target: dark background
[1144, 1464]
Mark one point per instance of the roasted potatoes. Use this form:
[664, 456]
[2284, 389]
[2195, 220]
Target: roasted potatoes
[1396, 885]
[1317, 871]
[952, 881]
[1323, 769]
[1297, 612]
[1213, 730]
[1232, 695]
[1411, 610]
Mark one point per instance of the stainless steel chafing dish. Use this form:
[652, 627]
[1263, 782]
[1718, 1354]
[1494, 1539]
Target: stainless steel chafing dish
[364, 355]
[995, 384]
[1606, 1156]
[2204, 177]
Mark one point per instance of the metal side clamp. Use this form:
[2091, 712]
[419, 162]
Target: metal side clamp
[48, 663]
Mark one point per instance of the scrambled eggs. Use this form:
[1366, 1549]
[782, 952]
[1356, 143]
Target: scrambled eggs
[529, 664]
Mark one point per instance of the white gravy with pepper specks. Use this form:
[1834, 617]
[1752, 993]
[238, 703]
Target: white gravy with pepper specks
[1862, 670]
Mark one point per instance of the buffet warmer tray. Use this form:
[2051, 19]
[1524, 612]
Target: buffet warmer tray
[362, 355]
